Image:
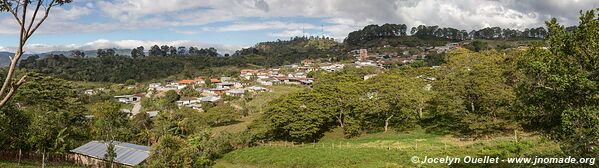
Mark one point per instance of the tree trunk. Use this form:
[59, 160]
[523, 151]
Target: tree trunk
[420, 112]
[20, 154]
[44, 159]
[340, 119]
[387, 123]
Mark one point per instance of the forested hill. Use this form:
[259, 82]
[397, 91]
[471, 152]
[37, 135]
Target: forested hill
[396, 34]
[141, 64]
[111, 67]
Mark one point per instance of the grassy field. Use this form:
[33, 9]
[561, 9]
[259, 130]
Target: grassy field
[383, 150]
[30, 164]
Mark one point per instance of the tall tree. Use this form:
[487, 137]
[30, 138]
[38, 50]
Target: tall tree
[473, 94]
[77, 54]
[164, 49]
[181, 51]
[155, 51]
[140, 51]
[134, 53]
[28, 24]
[560, 87]
[100, 53]
[172, 51]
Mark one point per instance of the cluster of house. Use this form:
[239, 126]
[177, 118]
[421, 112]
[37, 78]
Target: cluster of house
[210, 93]
[293, 74]
[408, 55]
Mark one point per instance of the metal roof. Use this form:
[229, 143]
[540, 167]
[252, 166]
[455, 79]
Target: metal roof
[126, 153]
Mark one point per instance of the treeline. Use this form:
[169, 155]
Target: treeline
[472, 95]
[111, 67]
[376, 32]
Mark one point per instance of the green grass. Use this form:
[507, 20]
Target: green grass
[32, 164]
[382, 150]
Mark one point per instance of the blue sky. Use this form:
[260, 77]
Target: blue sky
[232, 24]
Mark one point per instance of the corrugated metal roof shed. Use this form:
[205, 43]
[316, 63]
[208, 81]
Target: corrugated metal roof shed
[126, 153]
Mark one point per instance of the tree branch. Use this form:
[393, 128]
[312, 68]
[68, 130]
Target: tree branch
[12, 90]
[14, 14]
[50, 5]
[37, 8]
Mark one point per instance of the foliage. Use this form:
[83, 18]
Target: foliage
[12, 124]
[220, 115]
[474, 97]
[476, 45]
[55, 118]
[173, 151]
[559, 91]
[371, 32]
[109, 122]
[182, 122]
[116, 68]
[189, 92]
[130, 82]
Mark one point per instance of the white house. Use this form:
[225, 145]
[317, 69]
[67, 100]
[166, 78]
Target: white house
[89, 92]
[235, 92]
[211, 99]
[127, 98]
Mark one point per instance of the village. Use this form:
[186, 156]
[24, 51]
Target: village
[252, 81]
[210, 91]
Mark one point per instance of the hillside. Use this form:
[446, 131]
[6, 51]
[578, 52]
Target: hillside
[383, 150]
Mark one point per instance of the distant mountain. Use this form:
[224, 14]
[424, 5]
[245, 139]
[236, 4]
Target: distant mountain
[5, 60]
[88, 53]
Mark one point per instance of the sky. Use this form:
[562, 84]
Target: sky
[229, 25]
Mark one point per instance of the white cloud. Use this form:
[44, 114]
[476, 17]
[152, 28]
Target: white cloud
[289, 33]
[127, 44]
[4, 49]
[249, 26]
[340, 16]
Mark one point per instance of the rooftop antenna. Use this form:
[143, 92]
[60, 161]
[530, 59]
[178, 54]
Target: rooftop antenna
[303, 32]
[322, 30]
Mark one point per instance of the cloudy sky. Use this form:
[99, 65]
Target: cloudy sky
[231, 24]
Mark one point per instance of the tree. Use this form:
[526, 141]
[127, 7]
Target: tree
[141, 128]
[77, 54]
[559, 88]
[28, 24]
[109, 123]
[393, 97]
[173, 151]
[181, 50]
[221, 114]
[130, 82]
[171, 96]
[164, 50]
[172, 51]
[298, 117]
[194, 51]
[134, 53]
[140, 51]
[56, 123]
[101, 53]
[110, 52]
[189, 92]
[473, 94]
[155, 51]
